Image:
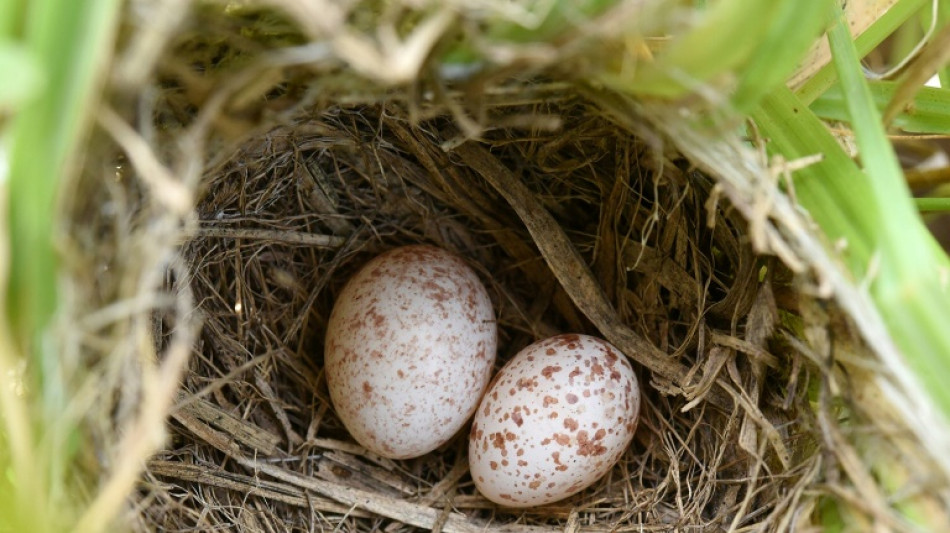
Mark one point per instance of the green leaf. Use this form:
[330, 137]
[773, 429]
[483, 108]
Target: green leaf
[792, 32]
[873, 212]
[930, 112]
[69, 44]
[933, 204]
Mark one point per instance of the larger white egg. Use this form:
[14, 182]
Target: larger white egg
[409, 350]
[555, 419]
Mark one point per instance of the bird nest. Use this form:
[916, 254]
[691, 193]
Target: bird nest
[574, 225]
[234, 212]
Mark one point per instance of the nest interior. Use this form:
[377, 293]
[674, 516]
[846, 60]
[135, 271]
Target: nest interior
[286, 218]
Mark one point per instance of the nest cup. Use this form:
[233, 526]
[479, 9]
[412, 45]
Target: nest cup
[290, 215]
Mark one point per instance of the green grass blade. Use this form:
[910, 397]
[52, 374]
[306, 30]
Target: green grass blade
[709, 49]
[792, 32]
[930, 205]
[880, 30]
[69, 43]
[842, 200]
[877, 155]
[873, 211]
[834, 191]
[930, 112]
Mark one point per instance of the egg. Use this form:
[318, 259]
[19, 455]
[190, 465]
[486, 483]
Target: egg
[554, 420]
[409, 350]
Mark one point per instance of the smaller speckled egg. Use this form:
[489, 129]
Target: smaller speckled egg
[409, 350]
[554, 420]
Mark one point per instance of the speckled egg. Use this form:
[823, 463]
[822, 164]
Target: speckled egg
[555, 419]
[409, 350]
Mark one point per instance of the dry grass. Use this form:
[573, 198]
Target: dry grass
[254, 182]
[294, 212]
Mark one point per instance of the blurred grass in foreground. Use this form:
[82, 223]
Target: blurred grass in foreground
[54, 55]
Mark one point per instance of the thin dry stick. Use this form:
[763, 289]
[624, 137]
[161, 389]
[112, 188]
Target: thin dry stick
[290, 237]
[245, 484]
[573, 273]
[932, 59]
[404, 511]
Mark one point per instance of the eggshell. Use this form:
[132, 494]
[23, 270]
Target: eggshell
[555, 419]
[409, 350]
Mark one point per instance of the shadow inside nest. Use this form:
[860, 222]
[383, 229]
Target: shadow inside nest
[293, 214]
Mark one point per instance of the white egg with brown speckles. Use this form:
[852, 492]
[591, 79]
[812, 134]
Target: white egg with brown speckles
[555, 419]
[409, 350]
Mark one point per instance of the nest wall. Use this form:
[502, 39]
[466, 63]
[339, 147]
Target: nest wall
[291, 214]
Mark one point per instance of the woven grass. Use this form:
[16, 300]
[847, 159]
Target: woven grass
[245, 186]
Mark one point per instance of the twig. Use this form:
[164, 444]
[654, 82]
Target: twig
[285, 236]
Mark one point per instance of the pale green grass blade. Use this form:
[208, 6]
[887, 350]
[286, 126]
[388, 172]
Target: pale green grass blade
[888, 187]
[728, 35]
[793, 30]
[70, 43]
[880, 30]
[874, 213]
[929, 112]
[841, 199]
[838, 204]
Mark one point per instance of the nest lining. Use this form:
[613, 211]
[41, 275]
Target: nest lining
[287, 219]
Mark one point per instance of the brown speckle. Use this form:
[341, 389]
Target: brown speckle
[527, 383]
[570, 424]
[549, 400]
[516, 416]
[597, 369]
[571, 398]
[497, 440]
